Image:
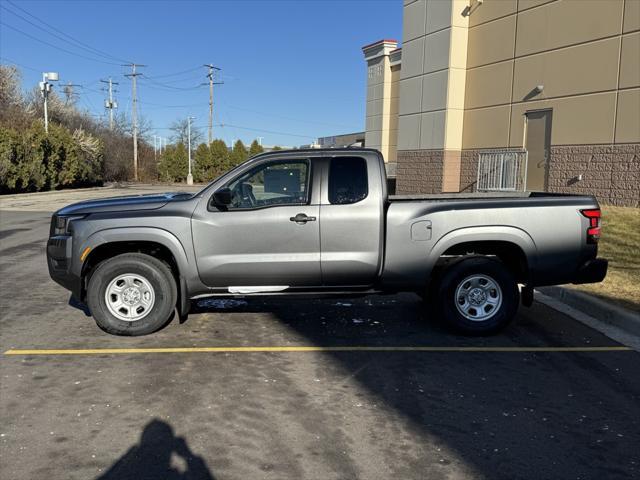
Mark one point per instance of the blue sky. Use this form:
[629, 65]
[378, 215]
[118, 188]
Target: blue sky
[294, 67]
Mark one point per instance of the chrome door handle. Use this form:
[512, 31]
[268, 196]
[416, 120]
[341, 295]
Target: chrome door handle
[302, 218]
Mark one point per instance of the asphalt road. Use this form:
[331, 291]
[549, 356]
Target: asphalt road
[323, 414]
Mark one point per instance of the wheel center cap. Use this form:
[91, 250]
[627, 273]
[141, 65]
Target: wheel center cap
[131, 296]
[477, 296]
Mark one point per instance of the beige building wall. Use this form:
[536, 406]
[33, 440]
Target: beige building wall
[431, 107]
[382, 97]
[581, 60]
[471, 70]
[394, 62]
[582, 57]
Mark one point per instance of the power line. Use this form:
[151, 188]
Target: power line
[223, 125]
[13, 62]
[286, 117]
[265, 131]
[78, 43]
[56, 46]
[158, 105]
[176, 82]
[159, 85]
[174, 74]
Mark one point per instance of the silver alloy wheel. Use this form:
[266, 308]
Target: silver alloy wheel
[478, 297]
[129, 297]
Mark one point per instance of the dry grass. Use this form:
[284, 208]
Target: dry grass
[620, 243]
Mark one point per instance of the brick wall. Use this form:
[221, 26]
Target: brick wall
[610, 172]
[468, 170]
[419, 171]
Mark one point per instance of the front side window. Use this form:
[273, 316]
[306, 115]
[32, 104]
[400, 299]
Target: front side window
[348, 181]
[273, 183]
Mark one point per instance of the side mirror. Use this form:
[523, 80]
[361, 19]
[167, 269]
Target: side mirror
[222, 197]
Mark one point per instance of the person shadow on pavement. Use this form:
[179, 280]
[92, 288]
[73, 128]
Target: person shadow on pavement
[152, 458]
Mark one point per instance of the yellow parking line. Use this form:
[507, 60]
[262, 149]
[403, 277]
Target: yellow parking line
[119, 351]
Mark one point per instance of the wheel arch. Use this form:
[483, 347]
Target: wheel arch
[151, 241]
[513, 246]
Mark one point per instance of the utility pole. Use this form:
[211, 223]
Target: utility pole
[189, 176]
[134, 114]
[68, 92]
[45, 88]
[211, 84]
[155, 158]
[110, 104]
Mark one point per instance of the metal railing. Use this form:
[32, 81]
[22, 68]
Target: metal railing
[502, 170]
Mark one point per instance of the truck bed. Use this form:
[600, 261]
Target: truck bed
[478, 196]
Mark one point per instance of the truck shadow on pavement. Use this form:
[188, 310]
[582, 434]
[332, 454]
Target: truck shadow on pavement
[153, 458]
[490, 415]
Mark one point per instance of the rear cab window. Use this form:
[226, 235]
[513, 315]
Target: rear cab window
[348, 181]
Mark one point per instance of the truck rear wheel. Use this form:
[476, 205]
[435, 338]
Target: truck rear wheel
[477, 296]
[132, 294]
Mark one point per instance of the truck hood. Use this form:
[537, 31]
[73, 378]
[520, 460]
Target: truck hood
[123, 204]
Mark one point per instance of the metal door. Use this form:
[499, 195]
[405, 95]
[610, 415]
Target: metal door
[538, 145]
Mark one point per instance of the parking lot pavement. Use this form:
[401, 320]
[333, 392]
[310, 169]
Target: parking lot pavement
[323, 414]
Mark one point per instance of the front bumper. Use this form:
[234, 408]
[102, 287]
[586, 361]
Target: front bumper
[592, 271]
[59, 261]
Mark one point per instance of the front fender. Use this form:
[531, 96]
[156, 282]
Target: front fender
[137, 234]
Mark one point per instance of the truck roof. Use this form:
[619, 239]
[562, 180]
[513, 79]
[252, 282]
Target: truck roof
[317, 151]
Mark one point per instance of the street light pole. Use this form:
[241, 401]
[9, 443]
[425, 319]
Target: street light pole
[45, 88]
[189, 176]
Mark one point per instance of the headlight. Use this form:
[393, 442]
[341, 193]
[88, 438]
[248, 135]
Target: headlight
[62, 224]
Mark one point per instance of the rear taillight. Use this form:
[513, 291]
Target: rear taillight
[593, 232]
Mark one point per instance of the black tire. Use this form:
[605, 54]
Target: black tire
[456, 275]
[156, 273]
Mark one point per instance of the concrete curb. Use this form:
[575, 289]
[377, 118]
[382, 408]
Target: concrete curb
[605, 312]
[614, 333]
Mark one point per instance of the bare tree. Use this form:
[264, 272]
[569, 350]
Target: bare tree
[11, 99]
[180, 129]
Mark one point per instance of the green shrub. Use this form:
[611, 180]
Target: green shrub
[210, 161]
[173, 164]
[31, 160]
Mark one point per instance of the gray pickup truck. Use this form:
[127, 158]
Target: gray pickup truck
[319, 222]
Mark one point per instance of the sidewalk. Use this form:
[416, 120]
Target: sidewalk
[614, 321]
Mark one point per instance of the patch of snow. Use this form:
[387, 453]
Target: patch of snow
[221, 303]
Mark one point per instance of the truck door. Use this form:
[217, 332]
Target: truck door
[351, 213]
[268, 236]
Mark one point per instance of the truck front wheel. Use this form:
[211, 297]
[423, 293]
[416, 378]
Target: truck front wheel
[477, 295]
[132, 294]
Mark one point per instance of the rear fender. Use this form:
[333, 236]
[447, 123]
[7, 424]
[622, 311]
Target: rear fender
[496, 233]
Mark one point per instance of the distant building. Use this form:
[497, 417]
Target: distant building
[559, 79]
[310, 145]
[344, 140]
